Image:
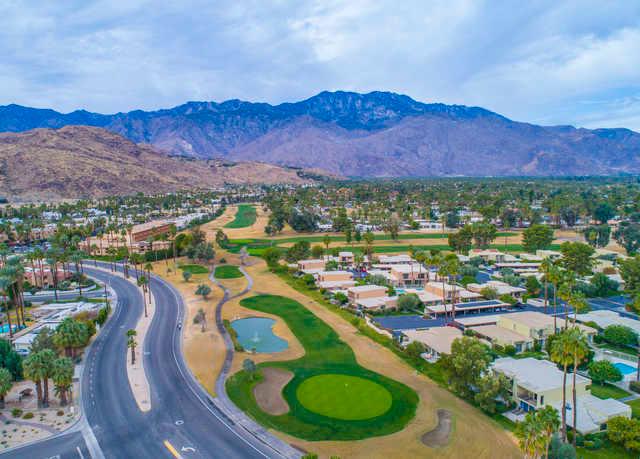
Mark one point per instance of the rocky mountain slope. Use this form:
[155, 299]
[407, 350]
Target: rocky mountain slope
[375, 134]
[82, 161]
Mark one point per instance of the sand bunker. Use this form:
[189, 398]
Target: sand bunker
[268, 392]
[439, 436]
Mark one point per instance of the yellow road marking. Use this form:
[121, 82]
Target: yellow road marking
[172, 450]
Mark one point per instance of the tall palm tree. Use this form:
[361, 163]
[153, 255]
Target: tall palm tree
[34, 369]
[530, 436]
[579, 349]
[62, 375]
[555, 275]
[131, 344]
[545, 269]
[5, 285]
[561, 353]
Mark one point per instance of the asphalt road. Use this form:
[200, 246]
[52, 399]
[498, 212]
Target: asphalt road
[183, 418]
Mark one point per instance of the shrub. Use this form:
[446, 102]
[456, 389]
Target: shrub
[510, 349]
[222, 261]
[59, 413]
[28, 415]
[635, 386]
[16, 412]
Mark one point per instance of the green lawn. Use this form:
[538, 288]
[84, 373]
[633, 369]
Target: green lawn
[256, 246]
[609, 450]
[246, 216]
[325, 355]
[227, 272]
[195, 269]
[635, 407]
[608, 391]
[378, 237]
[344, 397]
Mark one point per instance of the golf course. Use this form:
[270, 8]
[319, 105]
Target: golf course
[330, 396]
[246, 216]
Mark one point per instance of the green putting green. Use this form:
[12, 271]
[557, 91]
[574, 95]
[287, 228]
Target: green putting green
[227, 272]
[344, 397]
[321, 406]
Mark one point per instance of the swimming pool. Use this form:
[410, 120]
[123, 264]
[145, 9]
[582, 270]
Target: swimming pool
[624, 368]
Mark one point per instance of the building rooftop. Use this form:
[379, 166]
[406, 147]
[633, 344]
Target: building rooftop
[500, 333]
[367, 288]
[439, 339]
[533, 374]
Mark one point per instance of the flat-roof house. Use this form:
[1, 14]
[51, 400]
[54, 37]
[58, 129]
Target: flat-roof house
[448, 290]
[604, 318]
[412, 275]
[312, 266]
[335, 280]
[504, 337]
[538, 383]
[346, 258]
[502, 288]
[361, 292]
[536, 325]
[401, 259]
[438, 340]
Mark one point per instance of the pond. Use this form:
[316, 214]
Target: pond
[256, 333]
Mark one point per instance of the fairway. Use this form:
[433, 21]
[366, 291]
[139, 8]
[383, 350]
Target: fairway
[344, 397]
[194, 269]
[246, 216]
[227, 272]
[330, 396]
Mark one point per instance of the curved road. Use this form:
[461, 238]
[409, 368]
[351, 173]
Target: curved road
[182, 413]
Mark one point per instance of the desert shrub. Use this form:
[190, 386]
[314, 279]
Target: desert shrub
[28, 415]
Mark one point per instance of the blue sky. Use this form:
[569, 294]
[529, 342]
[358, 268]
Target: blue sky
[548, 62]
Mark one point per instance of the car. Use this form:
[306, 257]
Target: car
[179, 325]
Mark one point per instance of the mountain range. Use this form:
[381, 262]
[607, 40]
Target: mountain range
[379, 134]
[84, 161]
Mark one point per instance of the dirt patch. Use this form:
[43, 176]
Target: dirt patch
[439, 436]
[268, 392]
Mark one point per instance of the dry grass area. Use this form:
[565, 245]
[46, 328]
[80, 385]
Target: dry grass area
[234, 286]
[204, 352]
[474, 435]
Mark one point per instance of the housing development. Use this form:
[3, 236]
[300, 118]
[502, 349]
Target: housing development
[326, 229]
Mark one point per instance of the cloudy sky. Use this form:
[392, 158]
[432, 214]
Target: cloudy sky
[550, 62]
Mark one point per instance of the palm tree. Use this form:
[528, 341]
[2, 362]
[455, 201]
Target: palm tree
[6, 382]
[131, 344]
[561, 353]
[5, 284]
[453, 269]
[548, 417]
[545, 269]
[35, 369]
[579, 349]
[555, 275]
[143, 282]
[62, 376]
[530, 436]
[47, 357]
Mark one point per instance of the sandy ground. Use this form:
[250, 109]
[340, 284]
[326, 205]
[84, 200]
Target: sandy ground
[268, 392]
[235, 286]
[439, 436]
[204, 352]
[45, 422]
[474, 434]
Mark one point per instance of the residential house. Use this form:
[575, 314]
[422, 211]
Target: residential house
[538, 383]
[437, 340]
